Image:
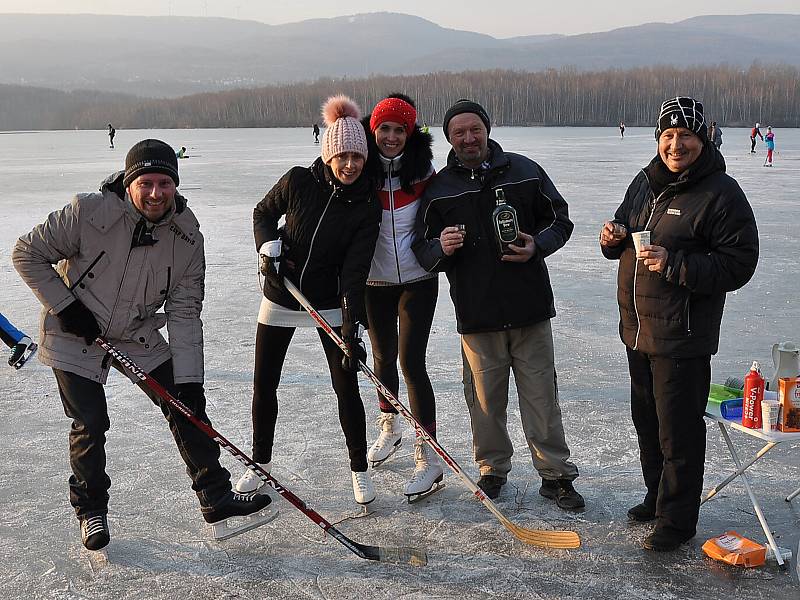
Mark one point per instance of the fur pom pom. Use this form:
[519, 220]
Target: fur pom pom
[337, 107]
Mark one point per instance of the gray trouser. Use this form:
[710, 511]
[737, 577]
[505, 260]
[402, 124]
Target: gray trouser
[488, 359]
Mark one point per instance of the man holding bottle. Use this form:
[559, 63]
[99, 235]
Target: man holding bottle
[470, 212]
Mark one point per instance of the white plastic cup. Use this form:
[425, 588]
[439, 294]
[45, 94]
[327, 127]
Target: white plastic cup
[272, 248]
[640, 238]
[770, 411]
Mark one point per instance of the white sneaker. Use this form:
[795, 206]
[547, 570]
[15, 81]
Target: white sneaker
[427, 472]
[250, 481]
[363, 490]
[389, 439]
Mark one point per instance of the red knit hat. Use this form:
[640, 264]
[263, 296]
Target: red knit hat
[395, 110]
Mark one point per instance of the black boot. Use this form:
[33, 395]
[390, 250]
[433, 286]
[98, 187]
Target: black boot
[491, 484]
[235, 504]
[563, 493]
[666, 540]
[642, 513]
[94, 532]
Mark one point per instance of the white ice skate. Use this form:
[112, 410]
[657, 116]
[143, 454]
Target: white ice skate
[388, 441]
[250, 481]
[428, 473]
[363, 490]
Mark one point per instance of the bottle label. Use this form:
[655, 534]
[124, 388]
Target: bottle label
[506, 223]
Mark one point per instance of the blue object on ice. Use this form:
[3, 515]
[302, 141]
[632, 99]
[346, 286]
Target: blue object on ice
[731, 409]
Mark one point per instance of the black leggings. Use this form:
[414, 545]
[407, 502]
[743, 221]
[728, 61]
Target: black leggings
[271, 345]
[408, 307]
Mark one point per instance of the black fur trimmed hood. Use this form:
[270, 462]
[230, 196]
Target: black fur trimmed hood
[417, 157]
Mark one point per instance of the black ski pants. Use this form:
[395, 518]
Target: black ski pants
[400, 318]
[272, 343]
[668, 399]
[85, 403]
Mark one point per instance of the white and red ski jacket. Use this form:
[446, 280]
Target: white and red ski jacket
[394, 262]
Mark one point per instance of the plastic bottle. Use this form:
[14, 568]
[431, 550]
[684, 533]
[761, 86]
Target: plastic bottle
[786, 555]
[753, 395]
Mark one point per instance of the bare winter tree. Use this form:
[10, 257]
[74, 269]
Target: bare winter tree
[732, 96]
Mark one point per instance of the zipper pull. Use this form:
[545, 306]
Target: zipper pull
[472, 174]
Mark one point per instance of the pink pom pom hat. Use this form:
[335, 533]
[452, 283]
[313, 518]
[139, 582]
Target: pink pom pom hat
[344, 131]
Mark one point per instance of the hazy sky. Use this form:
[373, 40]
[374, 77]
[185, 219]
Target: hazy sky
[497, 18]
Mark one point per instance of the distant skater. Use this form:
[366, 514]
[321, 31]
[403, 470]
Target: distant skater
[715, 135]
[754, 133]
[111, 133]
[621, 129]
[22, 348]
[769, 141]
[181, 153]
[316, 133]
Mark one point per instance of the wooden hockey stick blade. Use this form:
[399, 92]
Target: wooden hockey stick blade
[535, 537]
[545, 539]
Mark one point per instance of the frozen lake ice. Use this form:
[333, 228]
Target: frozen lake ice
[160, 546]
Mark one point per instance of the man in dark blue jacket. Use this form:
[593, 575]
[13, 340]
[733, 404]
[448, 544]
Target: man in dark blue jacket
[502, 295]
[703, 243]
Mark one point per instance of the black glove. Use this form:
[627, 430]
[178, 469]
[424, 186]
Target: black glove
[269, 264]
[79, 320]
[356, 351]
[191, 394]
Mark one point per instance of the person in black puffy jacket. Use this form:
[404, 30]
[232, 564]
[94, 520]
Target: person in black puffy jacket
[703, 244]
[332, 219]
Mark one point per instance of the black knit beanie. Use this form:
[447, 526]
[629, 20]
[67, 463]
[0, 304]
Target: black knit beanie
[150, 156]
[465, 106]
[682, 112]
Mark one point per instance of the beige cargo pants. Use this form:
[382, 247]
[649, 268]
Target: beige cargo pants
[489, 358]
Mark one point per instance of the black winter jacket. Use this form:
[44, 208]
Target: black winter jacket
[329, 236]
[488, 294]
[706, 224]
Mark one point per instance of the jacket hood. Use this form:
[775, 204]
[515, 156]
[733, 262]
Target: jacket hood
[417, 157]
[710, 161]
[113, 183]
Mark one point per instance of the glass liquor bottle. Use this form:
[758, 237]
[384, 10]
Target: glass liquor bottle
[504, 222]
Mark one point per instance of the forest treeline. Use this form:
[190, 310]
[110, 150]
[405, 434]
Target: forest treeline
[564, 97]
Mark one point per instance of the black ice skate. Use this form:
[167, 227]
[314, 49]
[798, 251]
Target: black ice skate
[22, 353]
[248, 506]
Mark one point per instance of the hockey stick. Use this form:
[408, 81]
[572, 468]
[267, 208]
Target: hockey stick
[410, 556]
[535, 537]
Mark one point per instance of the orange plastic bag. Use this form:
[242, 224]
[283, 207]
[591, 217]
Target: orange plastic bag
[734, 549]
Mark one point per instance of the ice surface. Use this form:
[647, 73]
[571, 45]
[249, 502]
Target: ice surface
[160, 546]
